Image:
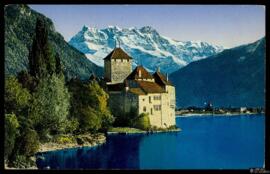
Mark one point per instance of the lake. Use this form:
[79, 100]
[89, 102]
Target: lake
[205, 142]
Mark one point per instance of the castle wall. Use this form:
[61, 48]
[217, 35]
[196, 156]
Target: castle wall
[107, 69]
[168, 112]
[120, 69]
[147, 104]
[131, 102]
[122, 102]
[115, 103]
[171, 107]
[158, 108]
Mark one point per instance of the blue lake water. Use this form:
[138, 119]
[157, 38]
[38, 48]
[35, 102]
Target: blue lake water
[205, 142]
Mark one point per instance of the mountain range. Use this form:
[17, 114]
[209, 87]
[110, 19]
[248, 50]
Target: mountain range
[201, 72]
[232, 78]
[20, 21]
[145, 45]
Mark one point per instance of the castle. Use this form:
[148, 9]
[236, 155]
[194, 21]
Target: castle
[138, 90]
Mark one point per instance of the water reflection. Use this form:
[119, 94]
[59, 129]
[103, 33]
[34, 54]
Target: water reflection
[235, 142]
[119, 152]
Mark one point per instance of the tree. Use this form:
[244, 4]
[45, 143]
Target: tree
[28, 142]
[41, 58]
[50, 105]
[90, 119]
[11, 132]
[29, 82]
[89, 101]
[106, 120]
[16, 97]
[125, 119]
[142, 122]
[58, 65]
[72, 125]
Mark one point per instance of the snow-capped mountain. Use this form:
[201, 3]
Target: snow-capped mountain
[145, 45]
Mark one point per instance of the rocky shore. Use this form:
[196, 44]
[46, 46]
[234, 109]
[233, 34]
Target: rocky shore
[86, 141]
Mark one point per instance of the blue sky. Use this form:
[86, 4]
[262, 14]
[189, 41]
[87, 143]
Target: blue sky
[226, 25]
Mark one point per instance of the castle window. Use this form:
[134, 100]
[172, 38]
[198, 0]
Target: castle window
[151, 111]
[150, 99]
[144, 109]
[157, 97]
[157, 107]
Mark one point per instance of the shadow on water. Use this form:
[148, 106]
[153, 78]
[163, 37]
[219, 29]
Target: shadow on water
[119, 152]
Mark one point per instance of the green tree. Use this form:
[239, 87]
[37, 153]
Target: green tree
[99, 99]
[16, 97]
[71, 125]
[11, 132]
[142, 122]
[107, 120]
[41, 57]
[50, 105]
[29, 82]
[58, 65]
[125, 119]
[28, 142]
[88, 97]
[89, 119]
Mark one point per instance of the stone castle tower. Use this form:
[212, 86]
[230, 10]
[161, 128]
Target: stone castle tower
[138, 90]
[117, 66]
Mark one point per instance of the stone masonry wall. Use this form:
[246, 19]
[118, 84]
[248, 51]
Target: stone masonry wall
[120, 69]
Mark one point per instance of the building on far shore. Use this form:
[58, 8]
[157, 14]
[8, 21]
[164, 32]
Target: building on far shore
[138, 91]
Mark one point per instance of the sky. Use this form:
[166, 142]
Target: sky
[224, 25]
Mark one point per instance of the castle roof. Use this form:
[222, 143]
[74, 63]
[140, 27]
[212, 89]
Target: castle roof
[150, 87]
[137, 91]
[161, 79]
[117, 53]
[136, 72]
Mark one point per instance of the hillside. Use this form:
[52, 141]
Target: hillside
[234, 77]
[19, 30]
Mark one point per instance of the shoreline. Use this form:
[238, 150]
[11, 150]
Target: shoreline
[51, 146]
[142, 132]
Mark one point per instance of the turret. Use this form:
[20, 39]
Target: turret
[117, 66]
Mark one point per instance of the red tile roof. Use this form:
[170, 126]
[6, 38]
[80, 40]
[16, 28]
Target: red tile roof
[150, 87]
[117, 53]
[135, 74]
[137, 91]
[161, 79]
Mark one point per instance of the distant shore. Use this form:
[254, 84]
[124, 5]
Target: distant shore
[214, 114]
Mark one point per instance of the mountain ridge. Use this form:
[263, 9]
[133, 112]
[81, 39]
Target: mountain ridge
[19, 31]
[232, 78]
[144, 44]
